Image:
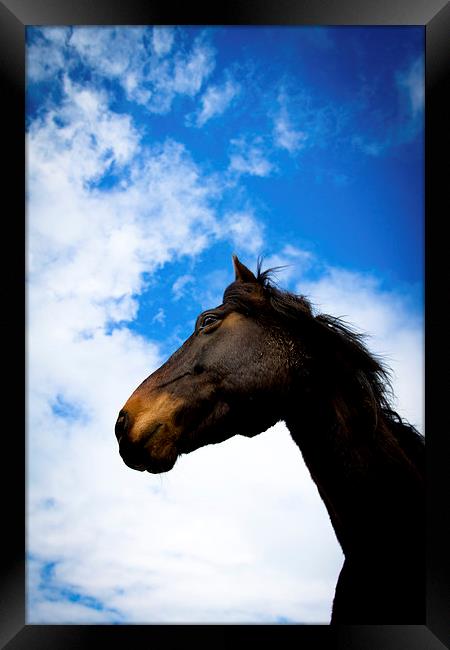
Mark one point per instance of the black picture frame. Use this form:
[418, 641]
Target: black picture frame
[15, 15]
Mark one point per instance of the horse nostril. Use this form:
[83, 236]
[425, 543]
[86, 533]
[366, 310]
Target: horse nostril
[198, 369]
[121, 425]
[132, 454]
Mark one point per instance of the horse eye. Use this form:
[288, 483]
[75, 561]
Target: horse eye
[207, 320]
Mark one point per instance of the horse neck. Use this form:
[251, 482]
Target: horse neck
[372, 491]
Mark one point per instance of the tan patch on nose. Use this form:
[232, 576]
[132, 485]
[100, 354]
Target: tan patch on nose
[147, 412]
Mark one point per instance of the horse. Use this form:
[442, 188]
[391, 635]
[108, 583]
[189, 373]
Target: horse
[264, 356]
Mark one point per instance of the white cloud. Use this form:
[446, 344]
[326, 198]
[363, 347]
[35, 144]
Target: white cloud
[139, 544]
[110, 51]
[412, 80]
[164, 208]
[182, 74]
[67, 150]
[162, 40]
[44, 57]
[244, 231]
[191, 71]
[215, 101]
[90, 248]
[250, 157]
[180, 284]
[159, 317]
[147, 73]
[286, 137]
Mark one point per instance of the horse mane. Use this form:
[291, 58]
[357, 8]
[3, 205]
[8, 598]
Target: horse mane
[332, 337]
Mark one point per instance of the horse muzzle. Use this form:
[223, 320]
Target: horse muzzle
[146, 432]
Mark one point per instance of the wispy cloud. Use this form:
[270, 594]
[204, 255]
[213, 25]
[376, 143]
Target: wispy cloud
[180, 284]
[250, 156]
[406, 123]
[214, 102]
[136, 58]
[164, 187]
[302, 122]
[285, 135]
[162, 40]
[53, 600]
[244, 230]
[412, 80]
[107, 50]
[159, 317]
[45, 56]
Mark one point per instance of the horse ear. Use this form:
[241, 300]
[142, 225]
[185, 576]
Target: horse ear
[243, 274]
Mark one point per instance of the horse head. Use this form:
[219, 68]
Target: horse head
[231, 376]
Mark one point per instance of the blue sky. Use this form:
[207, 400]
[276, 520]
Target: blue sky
[153, 154]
